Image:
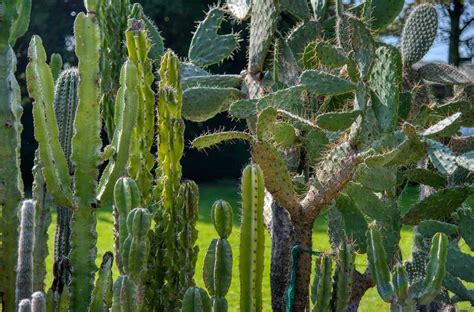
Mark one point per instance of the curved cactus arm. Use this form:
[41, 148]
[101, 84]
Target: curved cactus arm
[378, 263]
[41, 89]
[22, 21]
[252, 238]
[209, 140]
[102, 294]
[435, 269]
[86, 144]
[122, 135]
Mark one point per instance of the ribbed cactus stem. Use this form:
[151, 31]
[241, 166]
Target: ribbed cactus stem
[14, 20]
[141, 159]
[252, 239]
[217, 268]
[26, 242]
[43, 204]
[124, 295]
[102, 294]
[126, 198]
[86, 143]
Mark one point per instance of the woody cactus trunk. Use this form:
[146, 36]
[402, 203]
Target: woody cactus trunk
[332, 126]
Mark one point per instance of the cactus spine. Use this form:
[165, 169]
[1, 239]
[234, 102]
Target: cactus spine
[217, 268]
[252, 240]
[26, 242]
[14, 21]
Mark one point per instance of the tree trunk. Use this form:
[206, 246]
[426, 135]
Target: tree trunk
[303, 237]
[282, 240]
[455, 32]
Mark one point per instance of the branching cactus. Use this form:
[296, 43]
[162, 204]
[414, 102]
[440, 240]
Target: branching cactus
[80, 196]
[14, 21]
[402, 295]
[217, 267]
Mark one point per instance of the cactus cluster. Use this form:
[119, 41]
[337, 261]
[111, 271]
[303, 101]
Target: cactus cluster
[337, 122]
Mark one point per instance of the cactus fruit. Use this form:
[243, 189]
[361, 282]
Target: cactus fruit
[251, 239]
[26, 242]
[419, 33]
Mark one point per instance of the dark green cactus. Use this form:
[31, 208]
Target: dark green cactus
[196, 300]
[102, 294]
[14, 21]
[217, 267]
[402, 296]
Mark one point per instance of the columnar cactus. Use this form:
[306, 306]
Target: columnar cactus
[102, 294]
[26, 242]
[85, 146]
[196, 300]
[14, 21]
[404, 297]
[217, 267]
[252, 239]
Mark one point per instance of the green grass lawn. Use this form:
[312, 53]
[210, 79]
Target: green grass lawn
[229, 191]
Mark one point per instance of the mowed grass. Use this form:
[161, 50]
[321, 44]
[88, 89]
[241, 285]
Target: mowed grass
[230, 192]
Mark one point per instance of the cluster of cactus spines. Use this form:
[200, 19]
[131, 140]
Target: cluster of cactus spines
[419, 33]
[14, 21]
[196, 299]
[217, 267]
[400, 294]
[26, 242]
[252, 239]
[102, 294]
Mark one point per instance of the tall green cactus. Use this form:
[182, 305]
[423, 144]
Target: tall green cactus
[217, 267]
[252, 239]
[14, 21]
[402, 296]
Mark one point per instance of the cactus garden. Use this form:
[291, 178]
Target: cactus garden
[356, 192]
